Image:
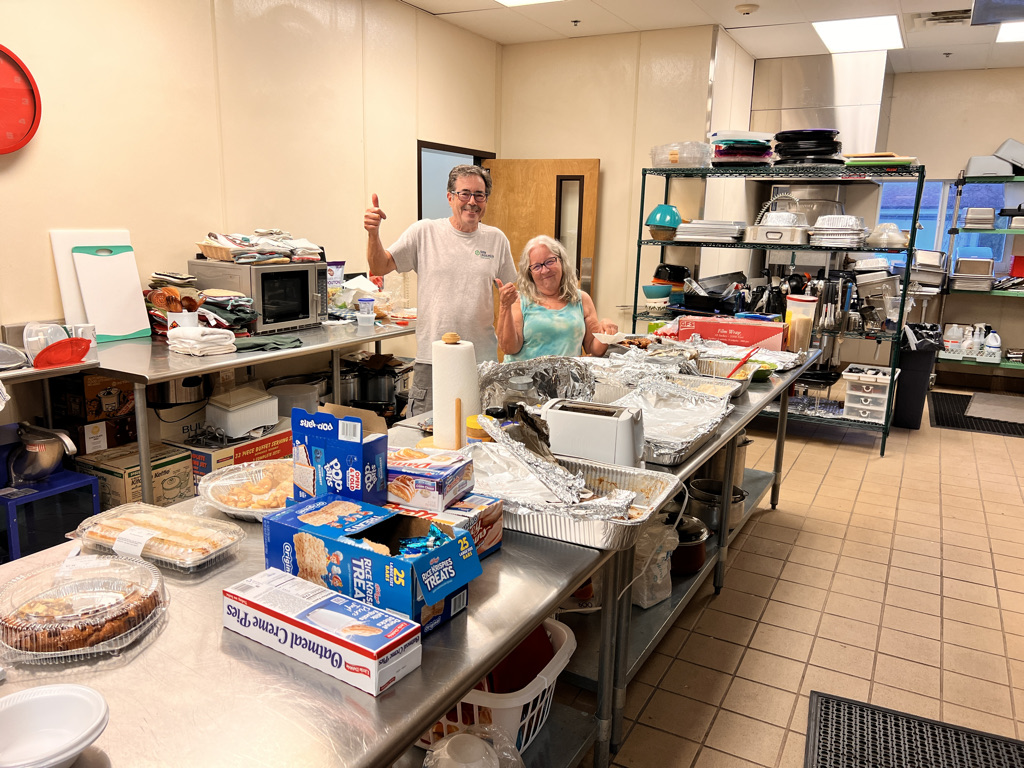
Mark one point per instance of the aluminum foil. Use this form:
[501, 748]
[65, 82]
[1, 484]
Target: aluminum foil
[629, 368]
[531, 485]
[553, 376]
[674, 417]
[723, 351]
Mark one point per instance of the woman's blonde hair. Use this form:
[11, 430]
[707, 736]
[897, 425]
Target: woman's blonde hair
[568, 288]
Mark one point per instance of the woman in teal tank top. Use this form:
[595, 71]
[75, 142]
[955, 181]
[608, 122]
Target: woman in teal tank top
[545, 312]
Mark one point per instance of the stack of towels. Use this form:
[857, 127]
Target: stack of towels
[201, 341]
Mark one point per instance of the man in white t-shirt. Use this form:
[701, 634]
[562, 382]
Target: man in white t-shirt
[457, 261]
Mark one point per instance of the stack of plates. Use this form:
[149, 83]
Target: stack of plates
[980, 218]
[815, 146]
[741, 148]
[702, 230]
[838, 232]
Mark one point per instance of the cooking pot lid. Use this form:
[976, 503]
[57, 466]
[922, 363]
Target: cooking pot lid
[11, 358]
[691, 530]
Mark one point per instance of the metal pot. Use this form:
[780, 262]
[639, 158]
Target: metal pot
[321, 380]
[691, 554]
[191, 389]
[715, 469]
[706, 502]
[39, 454]
[377, 386]
[348, 387]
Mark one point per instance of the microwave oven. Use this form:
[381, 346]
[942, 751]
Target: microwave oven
[286, 296]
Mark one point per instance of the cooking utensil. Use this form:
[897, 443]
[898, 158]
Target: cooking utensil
[744, 359]
[691, 554]
[39, 454]
[108, 277]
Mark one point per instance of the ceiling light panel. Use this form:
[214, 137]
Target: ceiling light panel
[1011, 32]
[876, 33]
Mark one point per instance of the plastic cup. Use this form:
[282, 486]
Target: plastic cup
[87, 331]
[366, 307]
[800, 318]
[365, 321]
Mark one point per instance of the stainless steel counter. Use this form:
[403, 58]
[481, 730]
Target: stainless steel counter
[196, 694]
[150, 361]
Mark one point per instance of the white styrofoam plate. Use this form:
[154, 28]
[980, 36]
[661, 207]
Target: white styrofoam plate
[50, 725]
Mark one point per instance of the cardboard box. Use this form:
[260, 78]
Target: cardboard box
[276, 445]
[430, 480]
[480, 515]
[92, 437]
[89, 397]
[177, 423]
[739, 333]
[351, 641]
[121, 480]
[341, 451]
[321, 540]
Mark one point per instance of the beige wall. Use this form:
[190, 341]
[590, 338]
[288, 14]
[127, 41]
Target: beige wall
[172, 119]
[946, 117]
[612, 97]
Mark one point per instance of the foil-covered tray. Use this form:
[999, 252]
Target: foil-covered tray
[652, 489]
[553, 376]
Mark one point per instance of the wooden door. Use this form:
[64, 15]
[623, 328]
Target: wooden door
[527, 198]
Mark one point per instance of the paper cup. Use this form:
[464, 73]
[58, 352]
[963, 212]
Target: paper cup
[182, 320]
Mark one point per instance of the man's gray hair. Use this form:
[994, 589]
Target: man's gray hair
[469, 170]
[568, 288]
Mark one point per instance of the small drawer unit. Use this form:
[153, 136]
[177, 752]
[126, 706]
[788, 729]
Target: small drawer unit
[867, 392]
[859, 413]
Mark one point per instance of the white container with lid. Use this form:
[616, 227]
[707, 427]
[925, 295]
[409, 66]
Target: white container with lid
[290, 396]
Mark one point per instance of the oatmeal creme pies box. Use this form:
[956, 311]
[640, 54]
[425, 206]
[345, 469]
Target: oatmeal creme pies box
[354, 642]
[340, 454]
[428, 479]
[350, 547]
[478, 514]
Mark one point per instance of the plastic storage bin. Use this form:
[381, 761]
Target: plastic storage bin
[867, 391]
[522, 713]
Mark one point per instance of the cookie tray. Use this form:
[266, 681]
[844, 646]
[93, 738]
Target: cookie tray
[653, 489]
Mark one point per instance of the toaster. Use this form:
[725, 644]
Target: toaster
[611, 434]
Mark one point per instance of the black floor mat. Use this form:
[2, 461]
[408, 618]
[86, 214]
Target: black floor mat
[850, 734]
[946, 410]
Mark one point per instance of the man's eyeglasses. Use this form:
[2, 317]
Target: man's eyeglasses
[465, 196]
[549, 263]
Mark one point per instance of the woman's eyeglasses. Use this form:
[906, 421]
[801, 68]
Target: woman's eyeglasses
[465, 195]
[549, 263]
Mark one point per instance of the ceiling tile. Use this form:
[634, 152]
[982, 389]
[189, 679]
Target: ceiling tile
[779, 41]
[657, 14]
[503, 26]
[900, 60]
[777, 12]
[828, 10]
[948, 35]
[1006, 55]
[964, 57]
[559, 17]
[454, 6]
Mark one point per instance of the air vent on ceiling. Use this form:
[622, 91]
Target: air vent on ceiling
[938, 19]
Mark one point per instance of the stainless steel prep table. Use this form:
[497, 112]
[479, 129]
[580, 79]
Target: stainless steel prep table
[195, 694]
[150, 361]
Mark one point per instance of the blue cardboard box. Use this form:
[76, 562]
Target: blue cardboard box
[340, 454]
[348, 546]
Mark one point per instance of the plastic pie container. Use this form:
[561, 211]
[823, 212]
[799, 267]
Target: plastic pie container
[84, 607]
[166, 537]
[50, 725]
[249, 491]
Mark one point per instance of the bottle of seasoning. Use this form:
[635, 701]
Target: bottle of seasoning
[520, 389]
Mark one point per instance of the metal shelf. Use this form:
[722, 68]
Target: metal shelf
[1001, 364]
[768, 172]
[973, 231]
[770, 246]
[861, 335]
[1011, 294]
[991, 179]
[649, 625]
[836, 421]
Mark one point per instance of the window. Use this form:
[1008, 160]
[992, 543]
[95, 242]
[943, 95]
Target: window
[435, 163]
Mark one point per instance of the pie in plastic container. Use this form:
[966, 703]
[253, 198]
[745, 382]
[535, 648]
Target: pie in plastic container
[249, 491]
[49, 726]
[167, 537]
[86, 606]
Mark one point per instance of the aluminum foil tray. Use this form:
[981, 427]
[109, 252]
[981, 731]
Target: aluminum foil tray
[672, 459]
[653, 490]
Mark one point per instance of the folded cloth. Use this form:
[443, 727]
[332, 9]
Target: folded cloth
[198, 348]
[264, 343]
[203, 335]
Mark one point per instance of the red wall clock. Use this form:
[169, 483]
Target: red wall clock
[20, 107]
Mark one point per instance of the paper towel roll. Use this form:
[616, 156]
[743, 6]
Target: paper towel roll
[454, 372]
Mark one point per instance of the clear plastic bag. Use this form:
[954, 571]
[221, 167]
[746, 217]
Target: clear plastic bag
[652, 564]
[486, 746]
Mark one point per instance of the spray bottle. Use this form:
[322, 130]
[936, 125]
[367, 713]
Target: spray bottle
[978, 342]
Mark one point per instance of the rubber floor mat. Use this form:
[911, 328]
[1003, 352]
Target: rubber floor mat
[843, 733]
[946, 410]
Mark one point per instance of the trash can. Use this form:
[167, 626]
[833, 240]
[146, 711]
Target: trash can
[912, 387]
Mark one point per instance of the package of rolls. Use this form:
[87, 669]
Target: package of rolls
[456, 389]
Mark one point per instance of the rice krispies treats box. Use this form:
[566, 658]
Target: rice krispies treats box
[350, 547]
[339, 454]
[360, 645]
[428, 479]
[480, 515]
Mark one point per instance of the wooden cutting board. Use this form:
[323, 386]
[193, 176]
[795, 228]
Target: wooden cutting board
[62, 241]
[111, 291]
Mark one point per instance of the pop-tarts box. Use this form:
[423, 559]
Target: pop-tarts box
[428, 479]
[354, 642]
[349, 547]
[339, 455]
[478, 514]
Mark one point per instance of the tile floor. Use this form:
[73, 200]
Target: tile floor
[895, 580]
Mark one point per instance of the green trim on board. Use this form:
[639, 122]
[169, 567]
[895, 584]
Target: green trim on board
[108, 250]
[143, 333]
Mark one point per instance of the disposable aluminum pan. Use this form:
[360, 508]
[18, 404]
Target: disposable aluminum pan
[720, 370]
[653, 490]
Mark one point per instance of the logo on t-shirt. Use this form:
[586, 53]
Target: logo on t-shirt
[483, 254]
